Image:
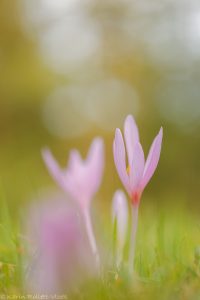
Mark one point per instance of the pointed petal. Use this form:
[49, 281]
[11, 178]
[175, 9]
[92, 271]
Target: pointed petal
[137, 166]
[75, 161]
[95, 165]
[53, 166]
[152, 159]
[120, 159]
[63, 178]
[131, 136]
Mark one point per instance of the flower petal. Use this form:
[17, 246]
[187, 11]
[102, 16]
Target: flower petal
[137, 166]
[95, 166]
[152, 159]
[120, 159]
[57, 233]
[74, 162]
[53, 167]
[131, 135]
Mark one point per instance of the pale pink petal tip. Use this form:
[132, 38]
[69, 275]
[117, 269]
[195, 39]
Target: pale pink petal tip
[119, 204]
[74, 161]
[120, 159]
[49, 160]
[52, 166]
[131, 136]
[95, 161]
[152, 159]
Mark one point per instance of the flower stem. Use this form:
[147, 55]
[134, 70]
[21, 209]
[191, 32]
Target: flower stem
[91, 237]
[134, 211]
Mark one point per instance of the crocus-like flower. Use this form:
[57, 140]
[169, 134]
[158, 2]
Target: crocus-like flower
[136, 174]
[81, 180]
[62, 257]
[120, 217]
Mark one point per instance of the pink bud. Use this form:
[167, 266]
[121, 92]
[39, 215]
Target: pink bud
[120, 215]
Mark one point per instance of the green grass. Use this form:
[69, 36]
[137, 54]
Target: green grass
[167, 262]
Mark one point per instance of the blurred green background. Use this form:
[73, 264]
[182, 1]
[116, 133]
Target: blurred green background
[73, 69]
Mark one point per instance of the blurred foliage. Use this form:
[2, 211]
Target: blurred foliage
[167, 264]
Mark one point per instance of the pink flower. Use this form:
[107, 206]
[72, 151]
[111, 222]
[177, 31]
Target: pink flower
[137, 173]
[62, 258]
[82, 178]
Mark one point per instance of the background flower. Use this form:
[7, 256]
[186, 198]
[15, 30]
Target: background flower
[60, 256]
[82, 178]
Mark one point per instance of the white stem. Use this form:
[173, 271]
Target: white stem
[134, 209]
[91, 237]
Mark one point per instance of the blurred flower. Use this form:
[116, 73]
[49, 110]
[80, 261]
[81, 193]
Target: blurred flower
[120, 216]
[62, 257]
[137, 174]
[81, 179]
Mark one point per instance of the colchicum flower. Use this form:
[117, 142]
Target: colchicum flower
[81, 180]
[135, 174]
[62, 258]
